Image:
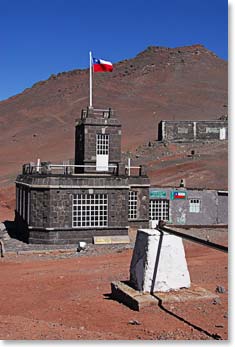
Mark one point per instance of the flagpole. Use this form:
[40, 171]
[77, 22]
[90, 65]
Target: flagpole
[90, 106]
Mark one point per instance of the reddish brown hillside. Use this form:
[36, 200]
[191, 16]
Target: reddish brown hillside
[159, 83]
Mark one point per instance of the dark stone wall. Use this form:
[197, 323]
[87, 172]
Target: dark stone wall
[181, 131]
[85, 140]
[71, 236]
[142, 220]
[40, 208]
[189, 131]
[61, 202]
[52, 200]
[210, 130]
[79, 147]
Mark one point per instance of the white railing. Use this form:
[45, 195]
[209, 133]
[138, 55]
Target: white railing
[70, 169]
[66, 168]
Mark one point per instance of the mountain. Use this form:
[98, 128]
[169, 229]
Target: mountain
[159, 83]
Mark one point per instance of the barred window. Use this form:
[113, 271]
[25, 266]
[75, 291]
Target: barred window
[159, 210]
[102, 144]
[132, 212]
[194, 205]
[90, 210]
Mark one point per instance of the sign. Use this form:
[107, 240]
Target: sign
[157, 194]
[104, 240]
[182, 130]
[212, 130]
[178, 195]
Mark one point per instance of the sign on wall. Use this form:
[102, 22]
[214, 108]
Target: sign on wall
[178, 195]
[157, 194]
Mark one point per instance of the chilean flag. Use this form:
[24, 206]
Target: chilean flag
[100, 65]
[179, 195]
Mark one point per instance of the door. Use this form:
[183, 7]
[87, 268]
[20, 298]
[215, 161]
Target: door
[222, 134]
[102, 152]
[158, 210]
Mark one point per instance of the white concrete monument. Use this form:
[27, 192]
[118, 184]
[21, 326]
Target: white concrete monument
[158, 263]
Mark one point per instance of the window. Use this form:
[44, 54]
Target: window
[159, 210]
[90, 210]
[132, 214]
[194, 205]
[102, 144]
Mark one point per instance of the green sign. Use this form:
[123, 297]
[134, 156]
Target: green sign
[157, 194]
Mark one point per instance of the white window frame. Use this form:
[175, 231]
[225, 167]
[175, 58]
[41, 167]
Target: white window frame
[159, 210]
[90, 211]
[102, 144]
[132, 205]
[194, 205]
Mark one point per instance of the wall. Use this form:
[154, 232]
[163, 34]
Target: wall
[222, 208]
[52, 201]
[189, 131]
[213, 210]
[85, 140]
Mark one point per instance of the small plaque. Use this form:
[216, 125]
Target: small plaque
[104, 240]
[156, 194]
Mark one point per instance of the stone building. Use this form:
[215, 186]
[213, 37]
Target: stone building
[98, 196]
[190, 131]
[188, 206]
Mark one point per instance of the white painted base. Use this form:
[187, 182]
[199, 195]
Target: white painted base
[158, 262]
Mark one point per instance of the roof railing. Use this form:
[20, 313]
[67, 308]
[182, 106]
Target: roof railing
[70, 169]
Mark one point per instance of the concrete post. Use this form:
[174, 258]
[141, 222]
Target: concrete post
[158, 262]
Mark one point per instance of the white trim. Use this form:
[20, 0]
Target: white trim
[90, 55]
[132, 205]
[71, 187]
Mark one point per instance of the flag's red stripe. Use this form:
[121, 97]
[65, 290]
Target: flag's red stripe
[102, 67]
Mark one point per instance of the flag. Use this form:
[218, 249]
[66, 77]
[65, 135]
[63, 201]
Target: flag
[100, 65]
[179, 195]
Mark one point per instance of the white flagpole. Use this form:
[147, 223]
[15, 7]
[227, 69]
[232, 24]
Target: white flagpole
[90, 106]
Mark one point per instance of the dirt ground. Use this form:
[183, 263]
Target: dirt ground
[67, 297]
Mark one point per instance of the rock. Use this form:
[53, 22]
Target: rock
[2, 249]
[134, 322]
[216, 301]
[220, 289]
[2, 227]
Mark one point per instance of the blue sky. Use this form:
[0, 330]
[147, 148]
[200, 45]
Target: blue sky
[41, 37]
